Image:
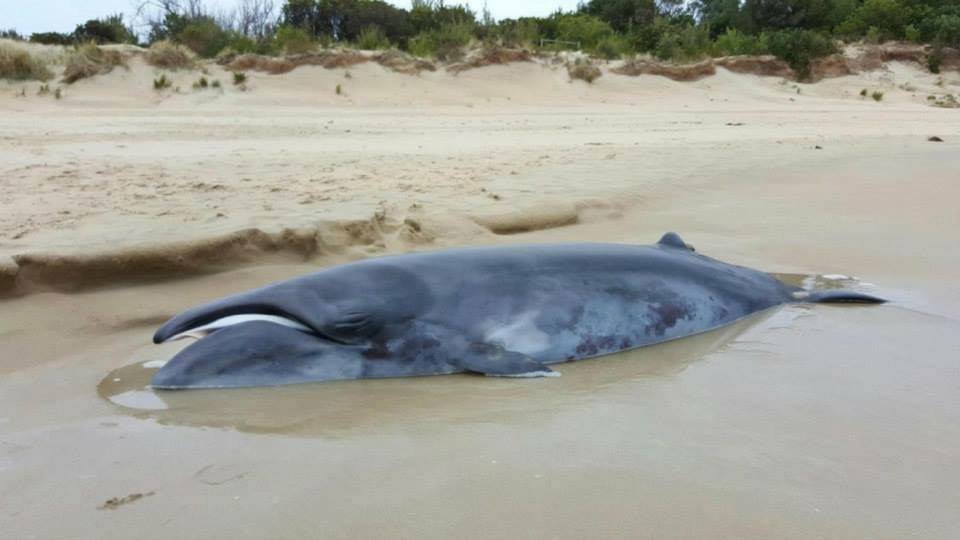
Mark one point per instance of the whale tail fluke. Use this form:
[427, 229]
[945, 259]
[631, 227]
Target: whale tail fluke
[840, 296]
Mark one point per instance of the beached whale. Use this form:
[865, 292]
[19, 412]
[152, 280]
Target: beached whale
[504, 311]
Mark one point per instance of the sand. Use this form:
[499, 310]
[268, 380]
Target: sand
[121, 207]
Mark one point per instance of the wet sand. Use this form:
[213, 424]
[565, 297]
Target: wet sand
[804, 422]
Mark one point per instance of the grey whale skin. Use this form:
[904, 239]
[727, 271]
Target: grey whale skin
[504, 311]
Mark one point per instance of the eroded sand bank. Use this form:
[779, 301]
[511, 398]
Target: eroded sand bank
[805, 422]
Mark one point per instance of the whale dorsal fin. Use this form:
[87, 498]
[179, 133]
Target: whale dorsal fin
[672, 239]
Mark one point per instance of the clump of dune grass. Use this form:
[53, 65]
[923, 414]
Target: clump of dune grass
[583, 70]
[239, 78]
[877, 95]
[168, 55]
[339, 90]
[44, 90]
[946, 101]
[19, 65]
[273, 66]
[89, 60]
[201, 83]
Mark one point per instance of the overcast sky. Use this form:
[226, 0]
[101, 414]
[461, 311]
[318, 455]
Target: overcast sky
[30, 16]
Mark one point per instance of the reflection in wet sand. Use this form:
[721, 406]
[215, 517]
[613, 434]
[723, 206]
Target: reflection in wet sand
[332, 409]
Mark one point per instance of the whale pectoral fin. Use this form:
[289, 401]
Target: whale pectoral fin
[494, 361]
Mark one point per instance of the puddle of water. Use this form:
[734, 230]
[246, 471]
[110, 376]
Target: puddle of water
[330, 407]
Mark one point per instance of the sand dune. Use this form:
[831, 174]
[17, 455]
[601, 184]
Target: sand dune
[118, 181]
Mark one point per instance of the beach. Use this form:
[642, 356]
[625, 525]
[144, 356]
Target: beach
[123, 206]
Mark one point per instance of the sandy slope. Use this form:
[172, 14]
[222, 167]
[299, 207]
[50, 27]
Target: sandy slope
[811, 422]
[115, 166]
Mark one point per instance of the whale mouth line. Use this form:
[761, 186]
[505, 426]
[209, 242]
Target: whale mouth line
[204, 330]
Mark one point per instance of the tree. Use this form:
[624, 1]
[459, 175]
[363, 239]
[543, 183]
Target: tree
[106, 30]
[888, 17]
[787, 14]
[623, 15]
[719, 15]
[585, 29]
[204, 36]
[255, 18]
[302, 14]
[428, 15]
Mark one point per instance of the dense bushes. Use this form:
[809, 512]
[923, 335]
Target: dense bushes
[797, 31]
[372, 38]
[445, 43]
[204, 37]
[798, 48]
[292, 40]
[686, 43]
[107, 30]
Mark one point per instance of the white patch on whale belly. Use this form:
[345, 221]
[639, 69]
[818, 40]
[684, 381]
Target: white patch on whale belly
[521, 335]
[207, 329]
[154, 364]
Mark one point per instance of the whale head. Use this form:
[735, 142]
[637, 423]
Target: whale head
[257, 352]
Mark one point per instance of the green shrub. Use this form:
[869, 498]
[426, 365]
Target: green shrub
[290, 40]
[611, 47]
[106, 30]
[588, 30]
[241, 44]
[201, 83]
[215, 84]
[911, 33]
[934, 60]
[887, 18]
[446, 43]
[239, 78]
[372, 38]
[946, 30]
[734, 42]
[877, 95]
[204, 37]
[18, 64]
[646, 38]
[684, 44]
[520, 33]
[44, 90]
[52, 38]
[162, 82]
[58, 93]
[338, 90]
[798, 48]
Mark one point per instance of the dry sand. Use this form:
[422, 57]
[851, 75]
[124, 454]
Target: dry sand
[809, 422]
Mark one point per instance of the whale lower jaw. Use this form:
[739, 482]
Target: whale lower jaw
[231, 320]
